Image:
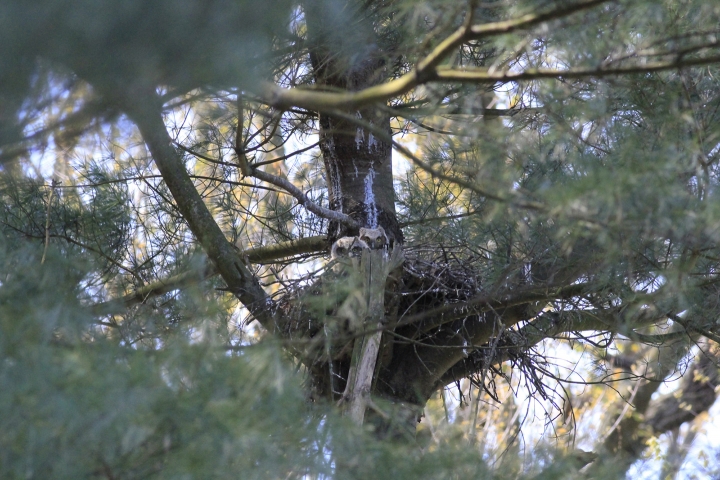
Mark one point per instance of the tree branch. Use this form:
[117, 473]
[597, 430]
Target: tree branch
[146, 113]
[302, 198]
[697, 394]
[252, 171]
[491, 302]
[483, 75]
[549, 325]
[428, 70]
[625, 439]
[530, 20]
[264, 254]
[424, 72]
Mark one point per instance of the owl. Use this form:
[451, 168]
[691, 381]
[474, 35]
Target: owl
[375, 238]
[347, 247]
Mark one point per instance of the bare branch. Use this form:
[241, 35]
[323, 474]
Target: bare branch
[286, 185]
[551, 325]
[492, 301]
[253, 255]
[428, 70]
[696, 394]
[530, 20]
[424, 72]
[145, 111]
[302, 198]
[484, 75]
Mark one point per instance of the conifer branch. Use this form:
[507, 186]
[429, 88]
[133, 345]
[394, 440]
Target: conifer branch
[424, 72]
[267, 253]
[146, 113]
[428, 69]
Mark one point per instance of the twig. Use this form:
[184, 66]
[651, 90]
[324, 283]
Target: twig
[303, 199]
[55, 183]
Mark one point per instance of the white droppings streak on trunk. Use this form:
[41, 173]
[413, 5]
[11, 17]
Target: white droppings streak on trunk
[372, 143]
[359, 134]
[370, 206]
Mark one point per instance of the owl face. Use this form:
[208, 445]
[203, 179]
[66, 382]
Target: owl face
[375, 238]
[348, 247]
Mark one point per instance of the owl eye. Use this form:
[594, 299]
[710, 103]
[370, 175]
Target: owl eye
[341, 250]
[379, 241]
[356, 249]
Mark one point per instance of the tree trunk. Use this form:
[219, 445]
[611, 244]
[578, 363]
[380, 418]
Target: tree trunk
[358, 165]
[359, 176]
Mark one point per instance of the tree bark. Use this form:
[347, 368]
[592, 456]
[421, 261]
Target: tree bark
[358, 165]
[359, 177]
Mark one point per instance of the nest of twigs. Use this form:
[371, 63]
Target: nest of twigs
[435, 278]
[430, 279]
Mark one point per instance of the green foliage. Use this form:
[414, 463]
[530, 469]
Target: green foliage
[609, 181]
[184, 45]
[79, 402]
[75, 403]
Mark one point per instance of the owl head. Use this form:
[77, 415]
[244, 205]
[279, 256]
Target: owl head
[375, 238]
[348, 247]
[346, 252]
